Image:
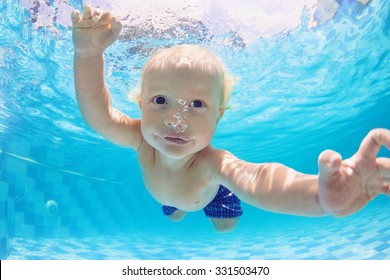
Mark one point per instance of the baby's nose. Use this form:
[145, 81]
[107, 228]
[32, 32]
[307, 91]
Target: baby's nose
[176, 122]
[173, 123]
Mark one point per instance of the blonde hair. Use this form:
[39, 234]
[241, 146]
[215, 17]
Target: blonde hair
[192, 56]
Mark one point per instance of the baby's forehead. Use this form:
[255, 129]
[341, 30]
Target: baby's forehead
[176, 78]
[184, 57]
[187, 62]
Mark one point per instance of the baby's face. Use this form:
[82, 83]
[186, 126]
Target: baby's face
[180, 109]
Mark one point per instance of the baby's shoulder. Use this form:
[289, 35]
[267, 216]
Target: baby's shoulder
[214, 158]
[215, 162]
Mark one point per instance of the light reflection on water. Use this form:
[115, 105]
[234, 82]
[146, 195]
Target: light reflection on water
[300, 90]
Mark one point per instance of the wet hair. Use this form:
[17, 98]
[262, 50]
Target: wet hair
[190, 57]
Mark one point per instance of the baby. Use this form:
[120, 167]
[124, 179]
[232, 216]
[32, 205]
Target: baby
[184, 93]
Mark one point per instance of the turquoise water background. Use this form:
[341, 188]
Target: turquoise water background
[299, 92]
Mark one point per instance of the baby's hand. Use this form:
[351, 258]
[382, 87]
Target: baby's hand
[347, 186]
[94, 31]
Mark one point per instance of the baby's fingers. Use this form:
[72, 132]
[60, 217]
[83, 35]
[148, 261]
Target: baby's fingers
[372, 143]
[329, 163]
[96, 15]
[105, 18]
[383, 166]
[386, 189]
[75, 17]
[116, 26]
[87, 12]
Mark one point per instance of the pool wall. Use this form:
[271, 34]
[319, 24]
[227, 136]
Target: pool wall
[4, 237]
[41, 199]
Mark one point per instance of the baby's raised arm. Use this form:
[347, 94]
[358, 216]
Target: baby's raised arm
[93, 32]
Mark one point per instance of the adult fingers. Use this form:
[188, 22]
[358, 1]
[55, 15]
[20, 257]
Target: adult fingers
[372, 143]
[329, 162]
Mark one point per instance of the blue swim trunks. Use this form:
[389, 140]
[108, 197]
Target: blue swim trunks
[224, 205]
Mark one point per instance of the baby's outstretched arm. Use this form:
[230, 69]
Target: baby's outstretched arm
[341, 188]
[270, 186]
[93, 32]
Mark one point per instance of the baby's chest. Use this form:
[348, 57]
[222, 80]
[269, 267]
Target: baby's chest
[187, 189]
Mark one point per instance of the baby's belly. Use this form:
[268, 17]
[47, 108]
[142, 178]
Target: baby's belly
[189, 202]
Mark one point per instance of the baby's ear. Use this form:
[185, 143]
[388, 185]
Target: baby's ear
[139, 100]
[221, 112]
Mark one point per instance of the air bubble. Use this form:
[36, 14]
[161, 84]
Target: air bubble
[51, 208]
[182, 102]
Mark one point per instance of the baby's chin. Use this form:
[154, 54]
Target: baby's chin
[176, 155]
[178, 151]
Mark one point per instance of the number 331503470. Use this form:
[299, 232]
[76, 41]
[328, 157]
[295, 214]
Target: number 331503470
[237, 270]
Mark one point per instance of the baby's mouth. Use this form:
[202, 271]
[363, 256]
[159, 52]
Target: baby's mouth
[176, 140]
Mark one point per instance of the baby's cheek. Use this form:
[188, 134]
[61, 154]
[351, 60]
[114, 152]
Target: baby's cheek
[146, 126]
[206, 128]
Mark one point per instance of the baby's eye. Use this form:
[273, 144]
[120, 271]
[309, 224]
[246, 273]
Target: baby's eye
[197, 104]
[159, 100]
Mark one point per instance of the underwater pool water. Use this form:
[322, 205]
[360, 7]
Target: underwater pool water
[66, 193]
